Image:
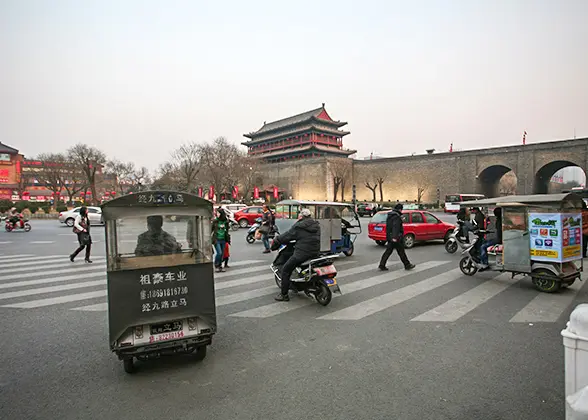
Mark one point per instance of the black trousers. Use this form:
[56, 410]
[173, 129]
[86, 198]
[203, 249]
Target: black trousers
[390, 247]
[287, 269]
[88, 246]
[584, 245]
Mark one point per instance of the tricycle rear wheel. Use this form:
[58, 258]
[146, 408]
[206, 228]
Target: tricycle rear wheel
[349, 251]
[200, 353]
[545, 281]
[129, 365]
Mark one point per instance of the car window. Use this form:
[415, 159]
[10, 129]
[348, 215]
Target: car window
[429, 218]
[91, 210]
[416, 217]
[76, 210]
[245, 211]
[404, 218]
[259, 210]
[379, 218]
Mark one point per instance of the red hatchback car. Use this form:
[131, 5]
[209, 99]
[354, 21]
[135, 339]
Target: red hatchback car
[248, 215]
[418, 226]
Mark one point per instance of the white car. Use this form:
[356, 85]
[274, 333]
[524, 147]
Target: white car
[69, 217]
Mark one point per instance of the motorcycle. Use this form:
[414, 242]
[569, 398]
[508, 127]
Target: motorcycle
[455, 240]
[471, 261]
[233, 223]
[315, 277]
[9, 227]
[250, 237]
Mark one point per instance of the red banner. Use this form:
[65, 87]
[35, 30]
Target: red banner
[275, 192]
[211, 192]
[256, 193]
[235, 191]
[200, 192]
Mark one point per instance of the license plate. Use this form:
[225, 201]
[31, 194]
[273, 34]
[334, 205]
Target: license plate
[166, 336]
[378, 228]
[166, 327]
[331, 282]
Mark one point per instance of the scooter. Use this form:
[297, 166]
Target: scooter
[9, 227]
[250, 237]
[455, 240]
[471, 261]
[315, 277]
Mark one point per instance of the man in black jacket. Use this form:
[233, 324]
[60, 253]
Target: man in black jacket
[307, 234]
[395, 239]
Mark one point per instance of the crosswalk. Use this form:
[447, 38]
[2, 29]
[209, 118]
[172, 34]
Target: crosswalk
[435, 291]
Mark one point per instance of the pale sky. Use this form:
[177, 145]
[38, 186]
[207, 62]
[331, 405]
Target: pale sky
[138, 78]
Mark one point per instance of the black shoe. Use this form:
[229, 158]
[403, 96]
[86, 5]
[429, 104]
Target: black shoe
[382, 268]
[267, 251]
[282, 298]
[89, 261]
[227, 266]
[71, 257]
[410, 267]
[219, 269]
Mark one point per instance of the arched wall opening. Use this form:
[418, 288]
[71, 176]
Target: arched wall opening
[558, 176]
[496, 181]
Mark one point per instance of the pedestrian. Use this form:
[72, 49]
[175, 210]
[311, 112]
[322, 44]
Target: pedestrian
[220, 237]
[395, 239]
[82, 229]
[265, 228]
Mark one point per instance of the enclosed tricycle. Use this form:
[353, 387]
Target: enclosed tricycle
[339, 223]
[161, 296]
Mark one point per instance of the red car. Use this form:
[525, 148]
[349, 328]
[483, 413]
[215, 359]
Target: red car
[247, 216]
[418, 226]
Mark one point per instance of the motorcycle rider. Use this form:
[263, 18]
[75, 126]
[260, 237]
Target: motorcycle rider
[494, 241]
[307, 234]
[395, 238]
[15, 217]
[266, 227]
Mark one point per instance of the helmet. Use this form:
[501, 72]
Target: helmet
[305, 213]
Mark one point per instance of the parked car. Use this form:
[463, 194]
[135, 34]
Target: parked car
[69, 217]
[365, 209]
[247, 216]
[418, 226]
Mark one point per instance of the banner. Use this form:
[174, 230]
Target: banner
[211, 192]
[275, 192]
[200, 192]
[256, 192]
[235, 191]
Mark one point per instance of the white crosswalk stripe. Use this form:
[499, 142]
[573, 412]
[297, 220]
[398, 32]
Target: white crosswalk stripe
[29, 282]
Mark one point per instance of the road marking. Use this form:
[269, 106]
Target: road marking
[80, 276]
[5, 242]
[461, 305]
[49, 262]
[44, 269]
[5, 257]
[250, 294]
[99, 307]
[82, 272]
[56, 300]
[29, 292]
[23, 258]
[42, 242]
[548, 307]
[281, 307]
[387, 300]
[248, 270]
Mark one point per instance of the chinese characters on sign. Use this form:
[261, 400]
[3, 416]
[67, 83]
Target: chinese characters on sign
[555, 237]
[4, 176]
[160, 198]
[163, 291]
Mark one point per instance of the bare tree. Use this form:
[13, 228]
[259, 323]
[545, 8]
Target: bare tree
[52, 174]
[508, 184]
[220, 161]
[421, 188]
[372, 188]
[88, 159]
[250, 171]
[340, 170]
[380, 181]
[121, 174]
[74, 181]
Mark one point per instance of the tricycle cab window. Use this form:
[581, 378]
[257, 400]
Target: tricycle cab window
[143, 237]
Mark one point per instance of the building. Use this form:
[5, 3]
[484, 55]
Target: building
[21, 178]
[307, 135]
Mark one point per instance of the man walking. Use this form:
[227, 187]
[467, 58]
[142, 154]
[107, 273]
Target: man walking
[395, 239]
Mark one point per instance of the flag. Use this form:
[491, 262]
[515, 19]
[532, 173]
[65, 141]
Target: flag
[451, 148]
[256, 193]
[524, 138]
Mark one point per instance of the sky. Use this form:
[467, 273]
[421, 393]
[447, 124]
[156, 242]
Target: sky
[138, 78]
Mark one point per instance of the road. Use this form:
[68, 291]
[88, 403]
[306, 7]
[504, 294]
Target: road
[426, 344]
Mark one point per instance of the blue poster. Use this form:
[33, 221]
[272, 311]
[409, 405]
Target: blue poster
[545, 231]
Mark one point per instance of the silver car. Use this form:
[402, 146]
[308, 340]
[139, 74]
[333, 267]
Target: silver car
[69, 217]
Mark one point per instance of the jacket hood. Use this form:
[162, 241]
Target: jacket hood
[309, 225]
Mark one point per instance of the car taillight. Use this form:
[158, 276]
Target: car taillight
[60, 214]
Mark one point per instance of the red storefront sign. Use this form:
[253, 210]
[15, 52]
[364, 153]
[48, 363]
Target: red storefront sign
[256, 193]
[235, 191]
[4, 176]
[200, 192]
[211, 192]
[275, 192]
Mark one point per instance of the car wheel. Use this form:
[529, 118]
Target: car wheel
[70, 222]
[243, 223]
[381, 243]
[409, 241]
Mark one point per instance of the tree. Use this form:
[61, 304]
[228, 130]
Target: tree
[74, 181]
[88, 159]
[508, 184]
[250, 171]
[379, 183]
[185, 166]
[372, 188]
[221, 163]
[340, 170]
[421, 188]
[120, 174]
[52, 175]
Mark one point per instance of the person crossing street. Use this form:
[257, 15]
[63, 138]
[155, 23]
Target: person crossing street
[395, 239]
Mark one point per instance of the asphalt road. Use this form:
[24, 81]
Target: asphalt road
[427, 344]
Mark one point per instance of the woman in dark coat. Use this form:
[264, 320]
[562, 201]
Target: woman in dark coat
[82, 229]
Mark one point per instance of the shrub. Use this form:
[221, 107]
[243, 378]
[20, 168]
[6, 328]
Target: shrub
[5, 205]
